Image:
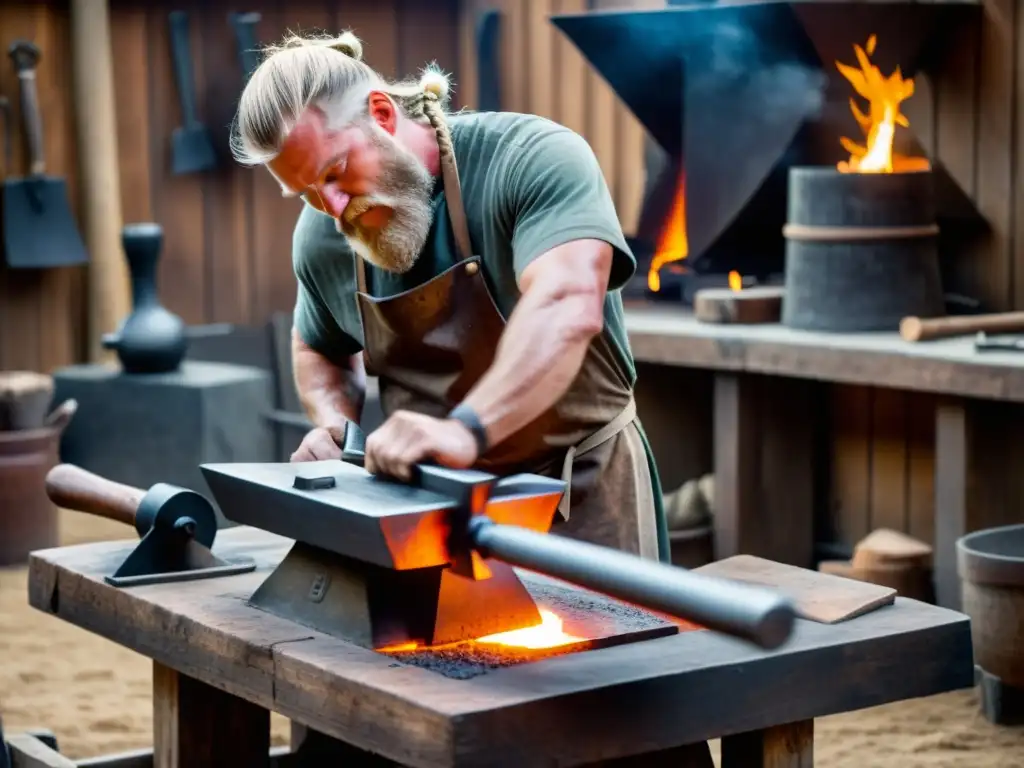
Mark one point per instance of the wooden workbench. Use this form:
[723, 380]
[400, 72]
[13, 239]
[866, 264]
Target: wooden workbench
[767, 382]
[221, 666]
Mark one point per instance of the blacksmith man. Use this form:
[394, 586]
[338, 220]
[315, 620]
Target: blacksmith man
[471, 262]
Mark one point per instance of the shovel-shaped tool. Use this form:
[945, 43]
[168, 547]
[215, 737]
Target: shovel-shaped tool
[39, 229]
[191, 144]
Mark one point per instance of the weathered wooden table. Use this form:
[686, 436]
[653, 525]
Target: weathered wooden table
[764, 434]
[220, 666]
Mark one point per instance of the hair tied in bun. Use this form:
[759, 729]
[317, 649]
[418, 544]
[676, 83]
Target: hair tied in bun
[348, 44]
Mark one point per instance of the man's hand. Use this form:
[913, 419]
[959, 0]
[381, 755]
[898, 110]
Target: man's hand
[320, 444]
[407, 438]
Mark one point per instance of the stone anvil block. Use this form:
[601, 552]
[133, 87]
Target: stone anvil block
[140, 429]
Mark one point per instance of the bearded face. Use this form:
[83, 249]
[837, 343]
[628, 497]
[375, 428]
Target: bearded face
[403, 188]
[378, 192]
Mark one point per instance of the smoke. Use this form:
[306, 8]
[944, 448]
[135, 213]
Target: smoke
[757, 66]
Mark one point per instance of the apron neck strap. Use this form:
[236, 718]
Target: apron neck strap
[453, 196]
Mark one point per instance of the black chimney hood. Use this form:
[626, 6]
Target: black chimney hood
[737, 92]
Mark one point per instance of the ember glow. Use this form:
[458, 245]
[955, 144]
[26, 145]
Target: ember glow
[672, 242]
[547, 634]
[735, 281]
[884, 96]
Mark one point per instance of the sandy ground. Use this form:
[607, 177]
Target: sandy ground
[95, 696]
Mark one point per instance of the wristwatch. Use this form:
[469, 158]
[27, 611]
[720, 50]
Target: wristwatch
[466, 416]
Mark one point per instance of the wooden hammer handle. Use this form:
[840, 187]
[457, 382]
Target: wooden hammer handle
[72, 487]
[925, 329]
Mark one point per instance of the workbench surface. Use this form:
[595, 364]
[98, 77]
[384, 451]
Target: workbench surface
[671, 335]
[567, 710]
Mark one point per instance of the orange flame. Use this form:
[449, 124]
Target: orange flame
[547, 634]
[735, 281]
[672, 242]
[884, 96]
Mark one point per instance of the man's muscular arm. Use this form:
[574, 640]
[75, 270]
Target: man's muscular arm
[542, 348]
[331, 394]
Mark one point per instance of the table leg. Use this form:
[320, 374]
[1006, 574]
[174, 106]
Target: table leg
[765, 431]
[781, 746]
[198, 726]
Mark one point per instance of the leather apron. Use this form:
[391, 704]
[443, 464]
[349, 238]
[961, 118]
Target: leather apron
[430, 345]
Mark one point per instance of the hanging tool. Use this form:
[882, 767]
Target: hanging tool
[488, 55]
[40, 230]
[983, 342]
[191, 145]
[244, 25]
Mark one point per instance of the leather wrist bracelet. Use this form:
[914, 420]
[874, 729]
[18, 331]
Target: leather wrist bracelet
[466, 416]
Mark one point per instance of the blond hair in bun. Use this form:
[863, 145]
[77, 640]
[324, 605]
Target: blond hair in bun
[306, 70]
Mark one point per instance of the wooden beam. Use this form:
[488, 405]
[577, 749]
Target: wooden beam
[764, 448]
[93, 76]
[977, 479]
[198, 726]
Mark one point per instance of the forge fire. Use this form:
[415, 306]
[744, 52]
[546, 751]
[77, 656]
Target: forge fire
[884, 96]
[876, 105]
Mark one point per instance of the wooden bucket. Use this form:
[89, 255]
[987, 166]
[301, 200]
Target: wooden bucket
[28, 519]
[991, 567]
[861, 250]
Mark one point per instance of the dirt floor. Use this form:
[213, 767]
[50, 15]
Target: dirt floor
[95, 696]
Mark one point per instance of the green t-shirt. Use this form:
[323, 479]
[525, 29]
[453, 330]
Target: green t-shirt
[528, 185]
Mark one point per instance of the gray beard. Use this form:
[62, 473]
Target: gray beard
[404, 187]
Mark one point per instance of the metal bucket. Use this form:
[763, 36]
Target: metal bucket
[991, 567]
[28, 519]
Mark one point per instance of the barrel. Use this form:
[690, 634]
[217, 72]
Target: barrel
[861, 250]
[990, 564]
[28, 519]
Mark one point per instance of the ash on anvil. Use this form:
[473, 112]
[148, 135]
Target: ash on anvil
[861, 250]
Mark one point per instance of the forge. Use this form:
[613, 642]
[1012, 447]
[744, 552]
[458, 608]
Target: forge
[734, 97]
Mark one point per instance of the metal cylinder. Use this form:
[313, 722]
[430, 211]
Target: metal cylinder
[28, 519]
[757, 614]
[861, 250]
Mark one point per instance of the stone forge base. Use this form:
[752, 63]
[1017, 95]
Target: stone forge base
[144, 429]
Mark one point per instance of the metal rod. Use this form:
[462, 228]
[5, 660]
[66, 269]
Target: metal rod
[757, 614]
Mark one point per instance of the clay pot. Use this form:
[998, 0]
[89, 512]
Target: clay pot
[28, 519]
[990, 563]
[151, 339]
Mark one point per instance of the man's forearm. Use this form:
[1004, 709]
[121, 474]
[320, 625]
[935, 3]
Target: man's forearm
[539, 356]
[329, 393]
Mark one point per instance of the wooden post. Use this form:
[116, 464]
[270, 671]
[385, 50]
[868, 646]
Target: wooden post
[198, 726]
[92, 73]
[765, 429]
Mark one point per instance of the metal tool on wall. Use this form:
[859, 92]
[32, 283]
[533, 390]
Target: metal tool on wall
[244, 25]
[39, 228]
[488, 57]
[5, 111]
[191, 145]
